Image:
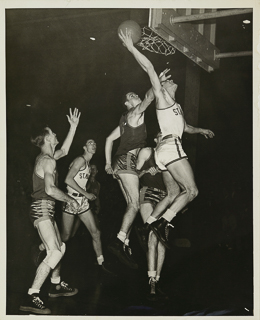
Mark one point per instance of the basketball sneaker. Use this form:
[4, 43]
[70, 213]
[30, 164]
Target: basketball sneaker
[152, 295]
[61, 289]
[161, 229]
[123, 253]
[34, 304]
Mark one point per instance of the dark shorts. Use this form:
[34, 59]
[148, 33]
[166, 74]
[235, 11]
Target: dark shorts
[151, 195]
[125, 163]
[42, 209]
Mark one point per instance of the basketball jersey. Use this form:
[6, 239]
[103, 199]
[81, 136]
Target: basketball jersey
[131, 137]
[171, 120]
[81, 178]
[39, 183]
[148, 180]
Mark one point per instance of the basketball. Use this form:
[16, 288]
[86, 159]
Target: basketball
[136, 30]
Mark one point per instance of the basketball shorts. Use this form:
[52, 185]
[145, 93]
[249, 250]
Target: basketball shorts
[82, 201]
[169, 151]
[42, 209]
[125, 163]
[151, 195]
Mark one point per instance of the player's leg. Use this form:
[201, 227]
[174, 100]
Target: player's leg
[88, 219]
[67, 223]
[60, 288]
[173, 190]
[130, 183]
[180, 171]
[120, 247]
[47, 234]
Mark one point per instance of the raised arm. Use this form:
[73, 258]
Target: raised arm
[77, 164]
[192, 130]
[149, 96]
[49, 166]
[142, 60]
[115, 134]
[73, 121]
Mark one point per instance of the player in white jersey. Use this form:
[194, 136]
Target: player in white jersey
[76, 181]
[170, 156]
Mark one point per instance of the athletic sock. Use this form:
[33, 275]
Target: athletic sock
[169, 215]
[151, 274]
[150, 220]
[32, 291]
[100, 259]
[121, 236]
[55, 280]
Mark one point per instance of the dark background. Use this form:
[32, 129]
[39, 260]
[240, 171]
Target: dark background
[52, 65]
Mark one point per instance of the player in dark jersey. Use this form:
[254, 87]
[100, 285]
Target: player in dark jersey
[45, 192]
[132, 134]
[152, 193]
[170, 156]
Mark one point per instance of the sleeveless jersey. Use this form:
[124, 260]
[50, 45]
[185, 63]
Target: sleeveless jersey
[171, 120]
[81, 178]
[148, 180]
[131, 137]
[39, 184]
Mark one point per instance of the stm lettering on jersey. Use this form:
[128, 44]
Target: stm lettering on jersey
[83, 175]
[177, 111]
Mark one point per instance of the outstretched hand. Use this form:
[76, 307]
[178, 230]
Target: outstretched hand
[207, 133]
[73, 118]
[126, 38]
[163, 76]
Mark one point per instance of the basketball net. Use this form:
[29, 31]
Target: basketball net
[152, 42]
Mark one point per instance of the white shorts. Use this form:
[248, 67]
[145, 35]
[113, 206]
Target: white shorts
[83, 205]
[169, 151]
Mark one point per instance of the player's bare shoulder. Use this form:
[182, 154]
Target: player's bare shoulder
[44, 162]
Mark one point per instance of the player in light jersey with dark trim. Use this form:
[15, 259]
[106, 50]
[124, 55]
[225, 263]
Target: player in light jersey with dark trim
[170, 156]
[76, 181]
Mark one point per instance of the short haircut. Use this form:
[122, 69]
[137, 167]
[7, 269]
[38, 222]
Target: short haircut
[38, 139]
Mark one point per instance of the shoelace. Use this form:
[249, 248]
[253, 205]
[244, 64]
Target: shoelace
[128, 249]
[65, 286]
[38, 302]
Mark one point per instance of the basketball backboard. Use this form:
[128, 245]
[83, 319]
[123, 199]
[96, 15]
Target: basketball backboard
[195, 40]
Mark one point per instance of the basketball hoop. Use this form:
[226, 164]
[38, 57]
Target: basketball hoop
[152, 42]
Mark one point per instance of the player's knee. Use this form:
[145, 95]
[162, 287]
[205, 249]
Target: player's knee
[53, 258]
[192, 192]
